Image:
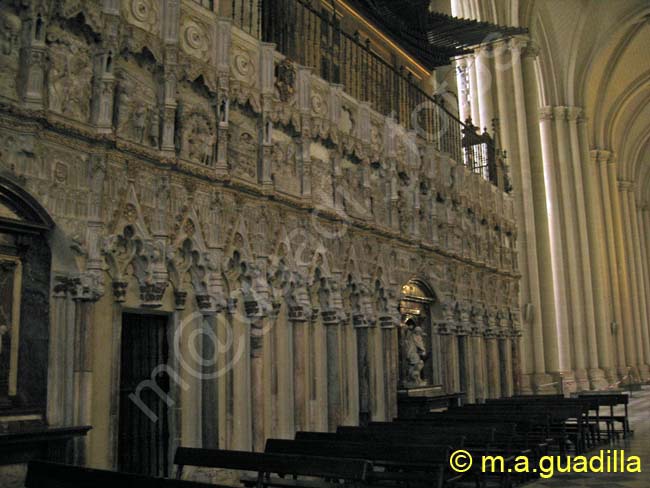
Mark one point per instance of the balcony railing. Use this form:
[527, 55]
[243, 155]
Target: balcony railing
[312, 36]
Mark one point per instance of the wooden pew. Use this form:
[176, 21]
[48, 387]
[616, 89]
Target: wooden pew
[329, 471]
[478, 441]
[568, 416]
[597, 400]
[400, 464]
[41, 474]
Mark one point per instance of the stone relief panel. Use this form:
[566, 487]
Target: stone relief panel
[323, 182]
[144, 14]
[20, 154]
[197, 135]
[350, 189]
[244, 74]
[65, 190]
[10, 31]
[70, 74]
[284, 164]
[137, 113]
[354, 173]
[196, 38]
[380, 196]
[243, 146]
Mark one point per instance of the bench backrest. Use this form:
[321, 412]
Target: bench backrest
[472, 435]
[378, 453]
[297, 465]
[41, 474]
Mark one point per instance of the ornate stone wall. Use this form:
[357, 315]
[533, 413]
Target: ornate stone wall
[189, 167]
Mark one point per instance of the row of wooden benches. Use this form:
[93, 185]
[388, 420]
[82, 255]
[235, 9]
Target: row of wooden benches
[408, 452]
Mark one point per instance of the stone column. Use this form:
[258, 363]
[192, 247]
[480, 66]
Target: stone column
[594, 373]
[33, 63]
[556, 340]
[494, 386]
[473, 89]
[462, 82]
[621, 260]
[636, 299]
[568, 216]
[533, 171]
[602, 160]
[363, 369]
[643, 229]
[601, 297]
[478, 360]
[484, 85]
[389, 342]
[300, 370]
[524, 214]
[332, 324]
[643, 284]
[505, 348]
[208, 383]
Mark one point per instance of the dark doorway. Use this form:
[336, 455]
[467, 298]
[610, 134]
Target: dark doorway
[144, 430]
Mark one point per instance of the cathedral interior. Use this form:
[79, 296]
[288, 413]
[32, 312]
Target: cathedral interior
[316, 229]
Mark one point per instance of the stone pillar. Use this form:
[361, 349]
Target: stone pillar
[473, 89]
[594, 373]
[627, 212]
[389, 342]
[533, 171]
[478, 361]
[332, 324]
[524, 214]
[643, 285]
[602, 160]
[494, 383]
[34, 62]
[601, 297]
[462, 82]
[209, 395]
[624, 283]
[363, 368]
[484, 85]
[300, 371]
[569, 219]
[556, 342]
[643, 229]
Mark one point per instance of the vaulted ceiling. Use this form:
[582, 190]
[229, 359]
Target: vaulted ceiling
[594, 54]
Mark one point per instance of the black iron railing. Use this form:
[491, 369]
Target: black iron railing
[311, 34]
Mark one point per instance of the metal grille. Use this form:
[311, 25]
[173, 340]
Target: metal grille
[312, 36]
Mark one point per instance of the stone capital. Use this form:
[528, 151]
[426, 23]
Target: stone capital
[531, 50]
[573, 113]
[560, 112]
[546, 113]
[625, 185]
[600, 156]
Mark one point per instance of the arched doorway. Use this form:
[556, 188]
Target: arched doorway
[418, 359]
[25, 261]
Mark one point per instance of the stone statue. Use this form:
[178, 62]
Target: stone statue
[139, 122]
[415, 352]
[3, 330]
[154, 127]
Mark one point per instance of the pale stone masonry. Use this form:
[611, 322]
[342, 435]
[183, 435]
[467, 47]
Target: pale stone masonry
[190, 169]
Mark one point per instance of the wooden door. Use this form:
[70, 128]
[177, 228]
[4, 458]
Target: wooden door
[143, 426]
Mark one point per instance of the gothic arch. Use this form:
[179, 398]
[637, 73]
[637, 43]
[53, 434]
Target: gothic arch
[21, 211]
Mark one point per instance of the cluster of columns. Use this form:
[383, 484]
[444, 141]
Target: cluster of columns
[583, 248]
[498, 88]
[583, 243]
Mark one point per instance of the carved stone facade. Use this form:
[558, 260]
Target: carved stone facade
[191, 169]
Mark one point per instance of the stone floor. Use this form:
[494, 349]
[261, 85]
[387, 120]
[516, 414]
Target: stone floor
[636, 445]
